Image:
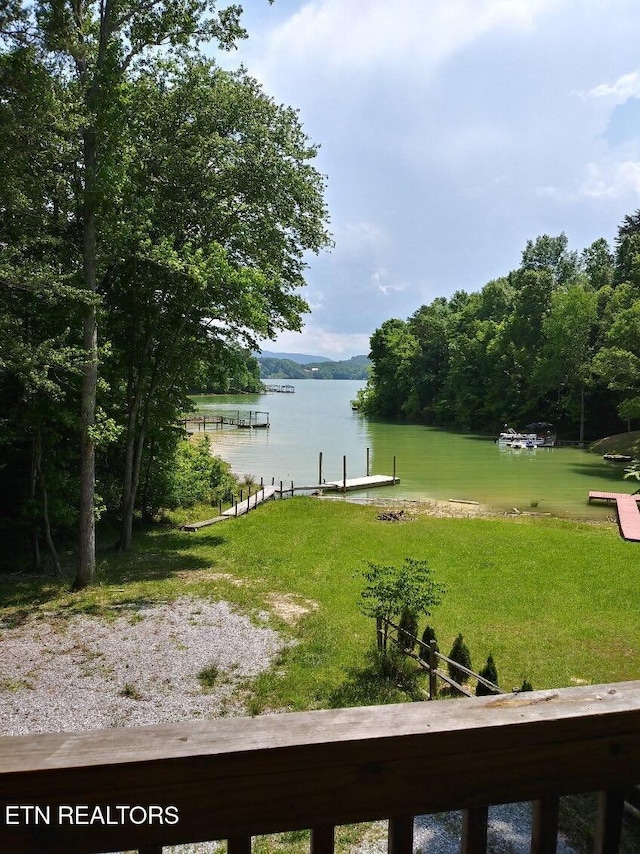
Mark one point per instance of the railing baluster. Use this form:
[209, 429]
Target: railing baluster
[474, 830]
[323, 839]
[544, 826]
[609, 823]
[239, 845]
[401, 835]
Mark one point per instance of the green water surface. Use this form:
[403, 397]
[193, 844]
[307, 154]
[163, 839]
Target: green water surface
[430, 463]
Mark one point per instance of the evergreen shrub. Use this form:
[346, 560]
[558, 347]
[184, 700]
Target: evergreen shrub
[459, 653]
[488, 672]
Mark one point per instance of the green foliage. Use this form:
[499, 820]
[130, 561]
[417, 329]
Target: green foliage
[130, 691]
[460, 654]
[554, 340]
[428, 635]
[185, 241]
[490, 673]
[209, 677]
[356, 368]
[526, 686]
[198, 476]
[408, 629]
[392, 590]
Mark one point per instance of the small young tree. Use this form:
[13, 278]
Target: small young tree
[459, 653]
[392, 589]
[490, 673]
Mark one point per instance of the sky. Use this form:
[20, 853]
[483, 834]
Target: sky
[450, 132]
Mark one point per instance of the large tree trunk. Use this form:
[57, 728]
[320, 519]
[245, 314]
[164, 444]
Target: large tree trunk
[87, 525]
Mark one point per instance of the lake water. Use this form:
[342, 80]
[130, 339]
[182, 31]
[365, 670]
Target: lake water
[430, 463]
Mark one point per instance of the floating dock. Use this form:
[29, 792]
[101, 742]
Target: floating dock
[628, 514]
[370, 482]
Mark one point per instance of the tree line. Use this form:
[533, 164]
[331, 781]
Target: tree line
[155, 212]
[556, 340]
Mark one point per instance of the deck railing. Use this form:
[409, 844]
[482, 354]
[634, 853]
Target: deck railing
[232, 779]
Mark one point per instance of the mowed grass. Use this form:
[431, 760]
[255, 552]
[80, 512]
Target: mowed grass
[554, 601]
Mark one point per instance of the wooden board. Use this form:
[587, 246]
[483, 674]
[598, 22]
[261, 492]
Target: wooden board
[628, 514]
[246, 776]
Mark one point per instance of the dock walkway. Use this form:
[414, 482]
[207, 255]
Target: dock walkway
[237, 510]
[628, 513]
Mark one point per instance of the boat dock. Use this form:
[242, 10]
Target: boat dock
[370, 482]
[628, 513]
[279, 389]
[250, 419]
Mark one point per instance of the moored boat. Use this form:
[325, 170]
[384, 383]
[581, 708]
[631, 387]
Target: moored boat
[534, 436]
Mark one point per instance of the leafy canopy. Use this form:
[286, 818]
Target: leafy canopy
[392, 589]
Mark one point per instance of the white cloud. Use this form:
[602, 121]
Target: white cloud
[357, 237]
[379, 279]
[360, 33]
[320, 342]
[625, 87]
[612, 181]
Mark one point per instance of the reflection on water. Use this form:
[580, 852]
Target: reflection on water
[430, 463]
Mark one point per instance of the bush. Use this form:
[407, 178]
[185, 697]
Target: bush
[198, 476]
[526, 686]
[408, 629]
[488, 672]
[427, 636]
[459, 653]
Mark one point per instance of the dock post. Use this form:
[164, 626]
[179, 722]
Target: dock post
[394, 470]
[320, 468]
[367, 462]
[261, 483]
[292, 489]
[249, 500]
[281, 495]
[344, 473]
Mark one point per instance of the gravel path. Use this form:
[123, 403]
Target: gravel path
[141, 668]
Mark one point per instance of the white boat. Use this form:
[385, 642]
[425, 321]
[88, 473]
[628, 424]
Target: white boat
[515, 439]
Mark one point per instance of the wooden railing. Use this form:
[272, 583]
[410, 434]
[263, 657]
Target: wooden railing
[429, 659]
[236, 778]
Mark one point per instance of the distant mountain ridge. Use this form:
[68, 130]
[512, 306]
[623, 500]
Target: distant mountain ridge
[300, 358]
[356, 368]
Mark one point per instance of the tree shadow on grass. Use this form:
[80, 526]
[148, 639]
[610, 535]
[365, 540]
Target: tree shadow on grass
[384, 679]
[158, 558]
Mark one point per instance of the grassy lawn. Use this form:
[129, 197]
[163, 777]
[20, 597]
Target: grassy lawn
[553, 601]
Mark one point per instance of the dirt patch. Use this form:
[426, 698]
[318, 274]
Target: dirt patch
[194, 576]
[291, 608]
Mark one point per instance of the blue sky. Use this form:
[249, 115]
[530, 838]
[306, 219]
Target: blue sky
[451, 132]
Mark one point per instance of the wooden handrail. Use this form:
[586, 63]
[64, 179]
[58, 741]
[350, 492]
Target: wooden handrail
[235, 778]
